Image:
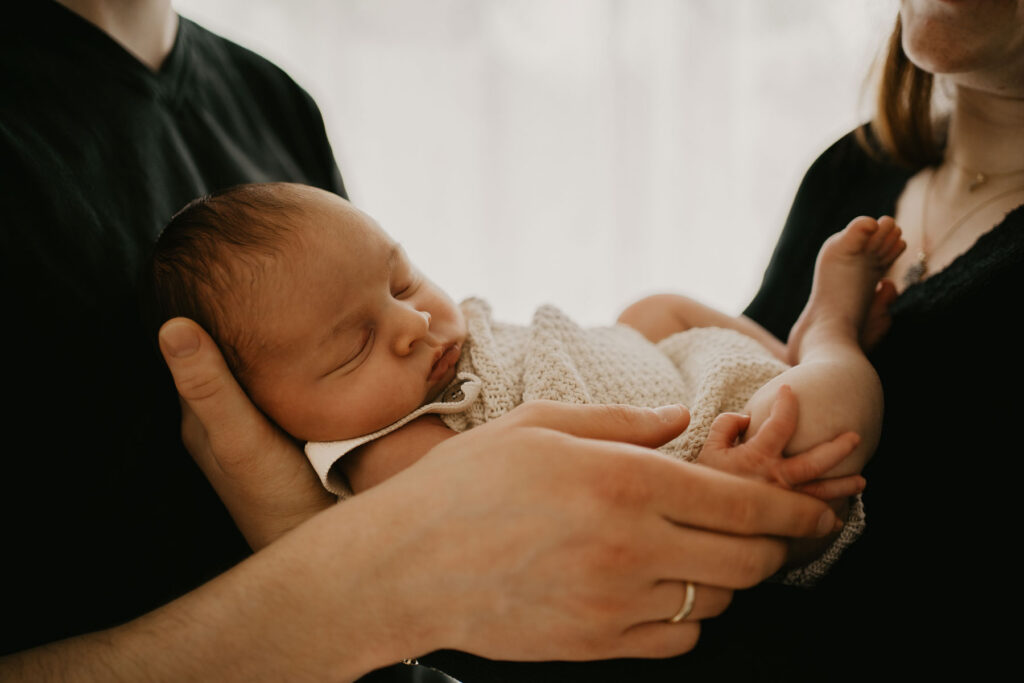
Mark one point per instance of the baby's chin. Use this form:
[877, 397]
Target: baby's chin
[437, 389]
[340, 431]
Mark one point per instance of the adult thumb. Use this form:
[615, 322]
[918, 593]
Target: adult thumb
[259, 473]
[209, 391]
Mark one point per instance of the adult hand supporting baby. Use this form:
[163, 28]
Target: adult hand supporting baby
[259, 473]
[550, 533]
[572, 544]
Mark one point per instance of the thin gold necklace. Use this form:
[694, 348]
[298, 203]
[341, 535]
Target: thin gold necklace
[979, 178]
[919, 268]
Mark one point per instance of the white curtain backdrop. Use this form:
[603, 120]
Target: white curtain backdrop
[578, 152]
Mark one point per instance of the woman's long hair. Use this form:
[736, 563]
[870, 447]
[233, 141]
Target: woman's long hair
[904, 129]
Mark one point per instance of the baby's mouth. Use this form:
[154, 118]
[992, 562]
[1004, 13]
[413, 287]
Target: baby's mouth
[445, 362]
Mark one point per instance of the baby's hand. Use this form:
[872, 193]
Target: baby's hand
[761, 457]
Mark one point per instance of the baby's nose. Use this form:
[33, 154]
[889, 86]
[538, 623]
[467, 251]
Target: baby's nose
[415, 326]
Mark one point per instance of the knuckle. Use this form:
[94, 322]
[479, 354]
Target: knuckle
[720, 601]
[593, 646]
[619, 485]
[598, 615]
[755, 563]
[628, 417]
[200, 387]
[675, 640]
[743, 515]
[604, 611]
[745, 571]
[613, 556]
[611, 553]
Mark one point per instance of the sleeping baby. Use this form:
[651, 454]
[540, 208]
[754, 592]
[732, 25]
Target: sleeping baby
[344, 344]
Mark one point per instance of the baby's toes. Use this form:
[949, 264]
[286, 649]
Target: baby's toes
[883, 238]
[857, 235]
[887, 243]
[893, 247]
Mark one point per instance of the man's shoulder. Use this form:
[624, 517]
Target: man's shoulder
[229, 62]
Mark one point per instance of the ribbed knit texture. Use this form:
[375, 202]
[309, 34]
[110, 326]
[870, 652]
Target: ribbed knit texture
[709, 370]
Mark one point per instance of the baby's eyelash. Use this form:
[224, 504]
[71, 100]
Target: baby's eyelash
[407, 287]
[360, 353]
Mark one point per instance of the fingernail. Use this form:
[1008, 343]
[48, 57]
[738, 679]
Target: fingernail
[179, 339]
[669, 413]
[828, 523]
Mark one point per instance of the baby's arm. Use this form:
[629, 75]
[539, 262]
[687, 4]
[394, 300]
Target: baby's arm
[383, 458]
[761, 455]
[663, 315]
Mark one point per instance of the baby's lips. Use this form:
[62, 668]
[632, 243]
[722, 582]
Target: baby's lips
[443, 364]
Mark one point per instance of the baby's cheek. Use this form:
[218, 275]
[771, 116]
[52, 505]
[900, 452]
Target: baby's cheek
[385, 407]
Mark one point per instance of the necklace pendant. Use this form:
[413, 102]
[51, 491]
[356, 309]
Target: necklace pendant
[916, 272]
[979, 180]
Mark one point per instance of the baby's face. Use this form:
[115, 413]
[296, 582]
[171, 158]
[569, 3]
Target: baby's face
[351, 336]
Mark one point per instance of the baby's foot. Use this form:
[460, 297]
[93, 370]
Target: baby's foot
[849, 267]
[877, 320]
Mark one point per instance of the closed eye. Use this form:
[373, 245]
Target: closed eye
[355, 359]
[407, 285]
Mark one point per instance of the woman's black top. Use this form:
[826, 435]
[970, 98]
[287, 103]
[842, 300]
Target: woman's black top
[933, 577]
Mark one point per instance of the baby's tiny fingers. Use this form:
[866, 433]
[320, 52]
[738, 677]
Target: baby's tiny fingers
[834, 489]
[815, 463]
[726, 428]
[778, 429]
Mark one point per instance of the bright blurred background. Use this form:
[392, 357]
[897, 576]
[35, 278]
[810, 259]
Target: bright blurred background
[576, 152]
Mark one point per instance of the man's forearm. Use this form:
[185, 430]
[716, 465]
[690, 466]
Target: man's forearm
[298, 610]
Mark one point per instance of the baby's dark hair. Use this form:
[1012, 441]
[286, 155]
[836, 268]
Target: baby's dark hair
[210, 254]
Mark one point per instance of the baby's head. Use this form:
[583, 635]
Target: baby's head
[324, 321]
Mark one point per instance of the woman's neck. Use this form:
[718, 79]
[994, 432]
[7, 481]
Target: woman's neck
[986, 132]
[146, 28]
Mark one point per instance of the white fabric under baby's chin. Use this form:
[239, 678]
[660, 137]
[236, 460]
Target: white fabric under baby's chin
[709, 370]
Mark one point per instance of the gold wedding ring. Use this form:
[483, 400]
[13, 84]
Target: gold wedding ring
[689, 598]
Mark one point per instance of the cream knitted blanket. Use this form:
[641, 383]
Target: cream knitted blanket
[709, 370]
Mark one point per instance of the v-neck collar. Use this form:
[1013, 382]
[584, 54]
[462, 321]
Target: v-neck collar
[988, 249]
[78, 34]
